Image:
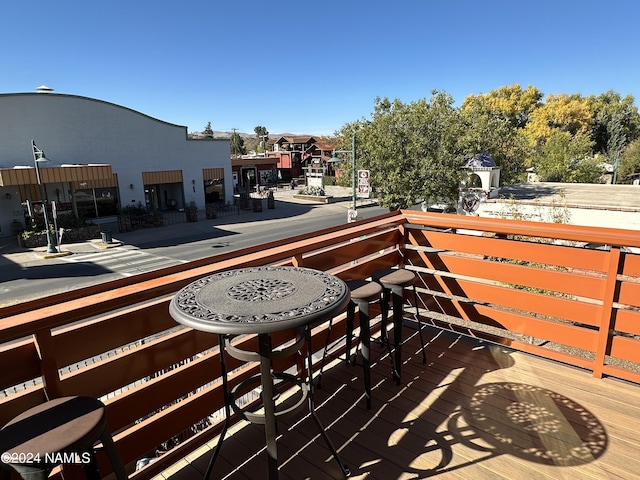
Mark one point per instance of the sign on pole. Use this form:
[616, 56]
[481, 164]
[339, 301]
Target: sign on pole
[364, 190]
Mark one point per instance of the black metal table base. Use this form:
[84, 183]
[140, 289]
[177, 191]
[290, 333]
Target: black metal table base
[271, 416]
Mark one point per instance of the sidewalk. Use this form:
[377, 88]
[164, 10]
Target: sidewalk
[285, 207]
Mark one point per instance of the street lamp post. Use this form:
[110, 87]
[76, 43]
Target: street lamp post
[38, 156]
[353, 169]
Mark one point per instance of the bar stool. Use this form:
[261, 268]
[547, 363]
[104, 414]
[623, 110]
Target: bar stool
[362, 294]
[59, 431]
[394, 281]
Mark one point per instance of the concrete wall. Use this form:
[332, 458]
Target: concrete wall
[576, 215]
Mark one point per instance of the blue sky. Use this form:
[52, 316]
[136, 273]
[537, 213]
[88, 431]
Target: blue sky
[311, 66]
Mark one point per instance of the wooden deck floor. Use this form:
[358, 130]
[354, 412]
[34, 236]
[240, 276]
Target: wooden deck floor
[476, 410]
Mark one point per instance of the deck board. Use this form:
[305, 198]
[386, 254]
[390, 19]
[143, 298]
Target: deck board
[475, 410]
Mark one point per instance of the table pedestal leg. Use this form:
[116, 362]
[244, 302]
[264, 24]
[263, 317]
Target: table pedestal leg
[312, 407]
[268, 402]
[227, 405]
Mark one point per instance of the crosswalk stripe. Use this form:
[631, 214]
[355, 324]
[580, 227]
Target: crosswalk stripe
[125, 261]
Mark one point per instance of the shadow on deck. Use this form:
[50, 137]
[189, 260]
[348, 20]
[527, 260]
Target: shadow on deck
[476, 410]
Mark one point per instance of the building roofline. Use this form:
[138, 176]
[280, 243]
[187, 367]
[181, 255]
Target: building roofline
[80, 97]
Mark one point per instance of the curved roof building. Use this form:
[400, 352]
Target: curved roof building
[102, 157]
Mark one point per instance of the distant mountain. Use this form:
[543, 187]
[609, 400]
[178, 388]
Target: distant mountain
[223, 134]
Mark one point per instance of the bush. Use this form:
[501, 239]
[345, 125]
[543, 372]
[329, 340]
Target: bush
[312, 190]
[66, 221]
[326, 180]
[134, 210]
[69, 221]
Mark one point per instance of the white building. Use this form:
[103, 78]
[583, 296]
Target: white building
[102, 158]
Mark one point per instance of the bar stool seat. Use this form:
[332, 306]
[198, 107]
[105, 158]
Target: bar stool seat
[394, 281]
[394, 277]
[362, 292]
[55, 430]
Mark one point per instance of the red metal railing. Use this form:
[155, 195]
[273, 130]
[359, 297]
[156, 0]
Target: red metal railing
[564, 292]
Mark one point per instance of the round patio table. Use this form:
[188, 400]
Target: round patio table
[261, 301]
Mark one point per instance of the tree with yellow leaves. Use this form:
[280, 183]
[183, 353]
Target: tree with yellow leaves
[559, 113]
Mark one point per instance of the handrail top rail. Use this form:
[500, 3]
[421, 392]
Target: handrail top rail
[601, 235]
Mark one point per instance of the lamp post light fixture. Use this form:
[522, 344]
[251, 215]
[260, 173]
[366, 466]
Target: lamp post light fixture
[38, 156]
[353, 170]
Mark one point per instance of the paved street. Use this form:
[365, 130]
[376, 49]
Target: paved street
[24, 274]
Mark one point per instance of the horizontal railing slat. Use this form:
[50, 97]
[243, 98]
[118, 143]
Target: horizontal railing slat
[523, 251]
[629, 294]
[112, 331]
[564, 282]
[126, 368]
[20, 401]
[557, 332]
[18, 363]
[532, 302]
[627, 321]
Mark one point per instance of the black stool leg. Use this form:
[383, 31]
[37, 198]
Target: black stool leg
[415, 299]
[396, 292]
[112, 453]
[384, 309]
[91, 468]
[365, 341]
[351, 314]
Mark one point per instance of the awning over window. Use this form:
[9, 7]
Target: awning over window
[212, 173]
[65, 173]
[253, 161]
[162, 176]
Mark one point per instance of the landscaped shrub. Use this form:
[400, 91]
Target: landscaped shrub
[314, 190]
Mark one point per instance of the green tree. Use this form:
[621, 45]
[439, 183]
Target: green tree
[616, 122]
[511, 104]
[567, 158]
[493, 124]
[564, 113]
[410, 149]
[629, 161]
[262, 134]
[208, 130]
[237, 145]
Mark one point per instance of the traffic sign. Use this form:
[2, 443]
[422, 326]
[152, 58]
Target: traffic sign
[364, 190]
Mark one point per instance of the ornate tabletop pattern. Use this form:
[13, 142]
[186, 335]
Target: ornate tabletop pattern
[259, 300]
